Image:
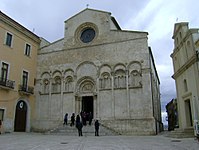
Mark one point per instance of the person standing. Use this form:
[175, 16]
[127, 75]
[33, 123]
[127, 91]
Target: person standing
[65, 119]
[77, 120]
[97, 124]
[79, 128]
[72, 120]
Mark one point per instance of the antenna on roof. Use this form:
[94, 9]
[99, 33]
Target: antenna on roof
[87, 5]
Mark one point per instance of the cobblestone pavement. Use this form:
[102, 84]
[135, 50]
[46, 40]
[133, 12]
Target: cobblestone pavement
[35, 141]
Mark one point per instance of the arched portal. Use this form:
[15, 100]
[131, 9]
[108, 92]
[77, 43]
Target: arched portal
[20, 116]
[86, 99]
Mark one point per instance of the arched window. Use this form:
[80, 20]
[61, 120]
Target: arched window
[46, 86]
[69, 84]
[120, 79]
[56, 85]
[105, 81]
[135, 79]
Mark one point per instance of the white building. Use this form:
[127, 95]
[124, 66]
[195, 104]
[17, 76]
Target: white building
[98, 67]
[186, 73]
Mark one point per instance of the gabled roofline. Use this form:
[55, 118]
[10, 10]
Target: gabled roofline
[85, 10]
[177, 27]
[18, 27]
[116, 23]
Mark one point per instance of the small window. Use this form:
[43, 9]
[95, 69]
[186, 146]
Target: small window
[185, 85]
[8, 39]
[4, 71]
[27, 49]
[25, 79]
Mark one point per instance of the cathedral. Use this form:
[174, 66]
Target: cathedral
[97, 67]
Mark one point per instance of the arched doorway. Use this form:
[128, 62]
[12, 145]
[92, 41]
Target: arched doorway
[86, 99]
[87, 104]
[20, 117]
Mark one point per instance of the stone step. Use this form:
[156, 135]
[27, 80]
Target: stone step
[87, 130]
[178, 133]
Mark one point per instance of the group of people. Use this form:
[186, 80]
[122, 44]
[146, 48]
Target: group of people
[81, 120]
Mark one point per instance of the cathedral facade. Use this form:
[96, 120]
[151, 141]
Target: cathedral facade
[99, 68]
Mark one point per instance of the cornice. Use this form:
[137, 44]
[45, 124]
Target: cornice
[190, 62]
[12, 23]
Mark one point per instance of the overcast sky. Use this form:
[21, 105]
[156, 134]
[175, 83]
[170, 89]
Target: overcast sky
[157, 17]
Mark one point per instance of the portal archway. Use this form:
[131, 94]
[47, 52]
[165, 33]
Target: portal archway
[20, 116]
[86, 98]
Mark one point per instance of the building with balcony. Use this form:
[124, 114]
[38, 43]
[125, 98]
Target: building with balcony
[18, 55]
[186, 74]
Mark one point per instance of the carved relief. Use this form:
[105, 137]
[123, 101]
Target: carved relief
[86, 85]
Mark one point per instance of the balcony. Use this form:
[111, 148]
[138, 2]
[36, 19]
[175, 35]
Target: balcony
[27, 90]
[6, 84]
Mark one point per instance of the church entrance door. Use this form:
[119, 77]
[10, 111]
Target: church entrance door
[87, 104]
[20, 117]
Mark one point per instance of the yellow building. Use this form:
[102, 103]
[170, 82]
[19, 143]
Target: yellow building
[18, 55]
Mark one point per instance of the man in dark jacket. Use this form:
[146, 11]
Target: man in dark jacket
[79, 127]
[97, 128]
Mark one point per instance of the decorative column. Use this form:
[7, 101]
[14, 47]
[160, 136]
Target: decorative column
[112, 95]
[76, 94]
[95, 99]
[127, 93]
[50, 98]
[96, 107]
[62, 101]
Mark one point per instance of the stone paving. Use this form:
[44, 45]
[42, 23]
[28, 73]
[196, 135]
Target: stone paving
[37, 141]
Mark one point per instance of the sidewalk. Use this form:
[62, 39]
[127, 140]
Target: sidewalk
[36, 141]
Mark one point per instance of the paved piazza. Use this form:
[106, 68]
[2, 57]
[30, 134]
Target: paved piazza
[34, 141]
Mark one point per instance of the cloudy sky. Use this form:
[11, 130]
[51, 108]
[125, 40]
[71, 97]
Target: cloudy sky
[157, 17]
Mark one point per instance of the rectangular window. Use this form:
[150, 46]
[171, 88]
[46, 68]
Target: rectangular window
[25, 79]
[4, 71]
[8, 39]
[27, 49]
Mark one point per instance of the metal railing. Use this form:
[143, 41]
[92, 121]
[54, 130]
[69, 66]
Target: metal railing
[26, 89]
[7, 83]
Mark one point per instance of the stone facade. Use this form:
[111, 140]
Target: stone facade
[186, 74]
[100, 68]
[172, 114]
